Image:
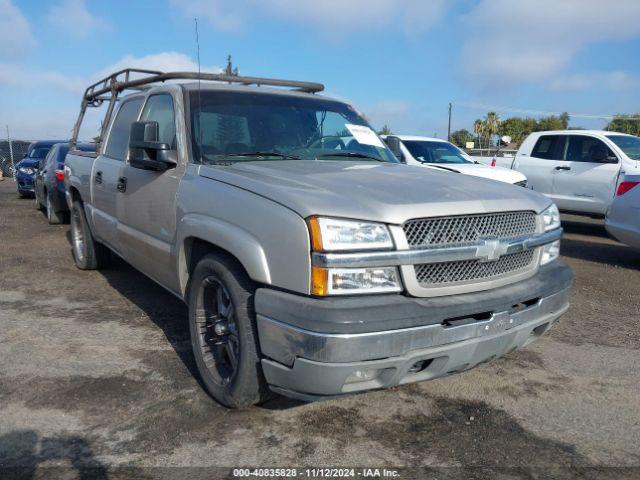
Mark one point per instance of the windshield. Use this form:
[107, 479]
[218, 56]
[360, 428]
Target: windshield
[39, 152]
[629, 145]
[246, 126]
[434, 152]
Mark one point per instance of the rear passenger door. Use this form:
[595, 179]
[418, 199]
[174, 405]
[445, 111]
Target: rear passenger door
[587, 180]
[106, 171]
[147, 209]
[541, 166]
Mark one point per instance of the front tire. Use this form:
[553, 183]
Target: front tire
[88, 254]
[224, 336]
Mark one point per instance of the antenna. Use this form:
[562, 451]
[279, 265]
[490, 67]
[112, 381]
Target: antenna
[199, 99]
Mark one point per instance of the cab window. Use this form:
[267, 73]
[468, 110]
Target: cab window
[549, 147]
[582, 148]
[159, 108]
[118, 143]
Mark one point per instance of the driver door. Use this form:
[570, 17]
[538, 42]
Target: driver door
[587, 179]
[146, 202]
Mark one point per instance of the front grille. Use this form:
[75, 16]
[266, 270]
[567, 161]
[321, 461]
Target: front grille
[464, 229]
[439, 274]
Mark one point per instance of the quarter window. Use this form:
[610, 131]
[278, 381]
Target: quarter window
[118, 142]
[549, 147]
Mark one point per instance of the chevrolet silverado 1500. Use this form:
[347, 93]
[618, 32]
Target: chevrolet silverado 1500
[313, 263]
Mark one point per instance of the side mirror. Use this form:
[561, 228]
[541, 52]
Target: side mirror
[394, 145]
[145, 151]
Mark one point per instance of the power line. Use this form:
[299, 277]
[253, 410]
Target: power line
[480, 106]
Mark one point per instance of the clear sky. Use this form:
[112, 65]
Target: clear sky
[399, 61]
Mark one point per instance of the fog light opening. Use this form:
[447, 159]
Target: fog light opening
[362, 376]
[540, 329]
[420, 365]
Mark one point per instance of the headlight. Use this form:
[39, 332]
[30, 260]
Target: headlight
[333, 235]
[348, 281]
[551, 218]
[27, 170]
[550, 252]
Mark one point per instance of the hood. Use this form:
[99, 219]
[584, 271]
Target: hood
[384, 192]
[28, 162]
[484, 171]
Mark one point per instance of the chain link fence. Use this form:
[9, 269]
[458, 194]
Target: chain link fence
[7, 162]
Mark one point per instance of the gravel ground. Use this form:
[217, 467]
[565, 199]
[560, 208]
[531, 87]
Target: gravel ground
[96, 375]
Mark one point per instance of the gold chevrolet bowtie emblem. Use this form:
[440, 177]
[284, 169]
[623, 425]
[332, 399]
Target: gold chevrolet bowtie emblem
[491, 250]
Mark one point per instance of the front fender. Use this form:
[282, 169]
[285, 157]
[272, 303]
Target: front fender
[238, 242]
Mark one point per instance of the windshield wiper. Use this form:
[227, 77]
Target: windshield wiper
[350, 154]
[443, 168]
[261, 154]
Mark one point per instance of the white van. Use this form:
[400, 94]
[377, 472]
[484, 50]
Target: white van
[578, 169]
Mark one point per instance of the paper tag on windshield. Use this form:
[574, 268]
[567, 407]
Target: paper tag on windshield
[364, 135]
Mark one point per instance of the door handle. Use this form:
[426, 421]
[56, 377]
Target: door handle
[563, 167]
[122, 184]
[98, 177]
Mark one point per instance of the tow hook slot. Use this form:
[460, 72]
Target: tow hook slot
[466, 319]
[518, 307]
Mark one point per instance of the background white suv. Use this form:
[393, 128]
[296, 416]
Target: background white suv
[579, 169]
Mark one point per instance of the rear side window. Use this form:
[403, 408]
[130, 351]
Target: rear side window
[118, 143]
[582, 148]
[159, 108]
[549, 147]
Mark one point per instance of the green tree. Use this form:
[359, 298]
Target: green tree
[385, 130]
[552, 123]
[478, 129]
[625, 123]
[518, 128]
[491, 126]
[461, 137]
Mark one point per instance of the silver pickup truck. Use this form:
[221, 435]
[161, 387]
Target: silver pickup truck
[312, 262]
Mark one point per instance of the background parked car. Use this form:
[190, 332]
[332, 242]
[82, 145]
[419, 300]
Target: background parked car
[623, 217]
[27, 167]
[579, 169]
[440, 154]
[49, 182]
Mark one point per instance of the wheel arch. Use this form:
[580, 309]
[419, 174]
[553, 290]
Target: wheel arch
[199, 235]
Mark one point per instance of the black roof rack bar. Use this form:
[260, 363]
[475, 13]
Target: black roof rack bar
[107, 84]
[121, 80]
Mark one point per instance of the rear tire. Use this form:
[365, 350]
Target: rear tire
[223, 331]
[36, 200]
[88, 254]
[55, 218]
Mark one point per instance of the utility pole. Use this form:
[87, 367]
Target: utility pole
[449, 128]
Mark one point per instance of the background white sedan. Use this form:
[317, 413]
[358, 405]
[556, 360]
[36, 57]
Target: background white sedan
[440, 154]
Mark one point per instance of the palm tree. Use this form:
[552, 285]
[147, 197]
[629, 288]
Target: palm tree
[478, 129]
[491, 126]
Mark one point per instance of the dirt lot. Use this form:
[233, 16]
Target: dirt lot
[96, 372]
